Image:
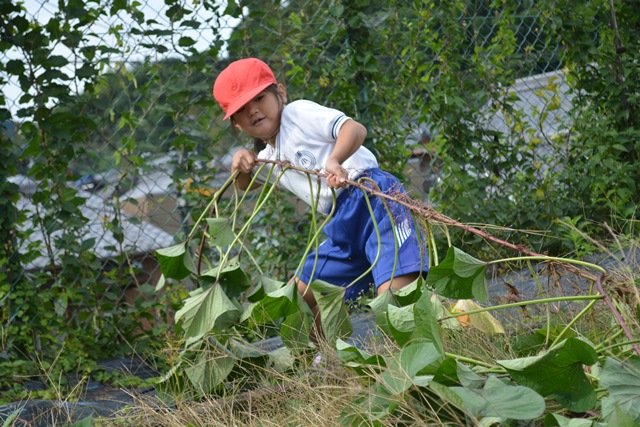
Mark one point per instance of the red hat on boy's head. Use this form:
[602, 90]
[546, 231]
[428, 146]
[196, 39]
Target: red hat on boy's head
[240, 82]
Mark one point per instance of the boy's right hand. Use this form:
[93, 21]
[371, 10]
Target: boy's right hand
[243, 161]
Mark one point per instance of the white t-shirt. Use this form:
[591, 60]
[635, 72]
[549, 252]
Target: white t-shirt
[306, 138]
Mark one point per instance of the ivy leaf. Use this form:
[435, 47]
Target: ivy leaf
[500, 400]
[206, 309]
[174, 261]
[220, 231]
[558, 373]
[459, 276]
[333, 310]
[622, 380]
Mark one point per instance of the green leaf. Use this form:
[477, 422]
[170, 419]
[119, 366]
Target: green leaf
[85, 422]
[281, 359]
[206, 309]
[245, 350]
[207, 372]
[369, 409]
[447, 373]
[220, 231]
[622, 380]
[161, 283]
[354, 357]
[558, 373]
[557, 420]
[174, 261]
[459, 276]
[265, 286]
[186, 41]
[295, 330]
[410, 366]
[401, 323]
[467, 377]
[410, 293]
[426, 324]
[379, 306]
[333, 310]
[231, 277]
[274, 305]
[497, 399]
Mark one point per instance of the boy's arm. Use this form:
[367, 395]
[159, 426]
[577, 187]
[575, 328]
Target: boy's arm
[350, 137]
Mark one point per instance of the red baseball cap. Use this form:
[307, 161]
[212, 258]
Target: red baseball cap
[240, 82]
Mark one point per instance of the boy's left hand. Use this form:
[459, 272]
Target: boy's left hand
[336, 175]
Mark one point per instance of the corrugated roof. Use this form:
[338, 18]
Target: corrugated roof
[139, 236]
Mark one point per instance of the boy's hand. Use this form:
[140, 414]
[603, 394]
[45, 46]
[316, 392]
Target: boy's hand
[336, 175]
[243, 161]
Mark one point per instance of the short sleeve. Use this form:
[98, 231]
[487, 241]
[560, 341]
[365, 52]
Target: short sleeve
[320, 122]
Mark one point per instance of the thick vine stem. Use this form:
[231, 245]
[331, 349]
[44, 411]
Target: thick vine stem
[431, 214]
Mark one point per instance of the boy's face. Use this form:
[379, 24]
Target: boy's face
[260, 117]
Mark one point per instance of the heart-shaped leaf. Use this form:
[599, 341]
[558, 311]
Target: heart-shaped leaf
[295, 330]
[459, 276]
[410, 293]
[379, 306]
[557, 420]
[265, 286]
[333, 311]
[220, 231]
[500, 400]
[230, 276]
[558, 373]
[208, 372]
[426, 324]
[412, 366]
[401, 323]
[174, 261]
[206, 309]
[354, 357]
[275, 305]
[622, 380]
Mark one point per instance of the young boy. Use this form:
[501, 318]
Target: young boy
[314, 137]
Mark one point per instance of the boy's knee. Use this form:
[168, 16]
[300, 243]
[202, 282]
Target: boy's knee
[397, 282]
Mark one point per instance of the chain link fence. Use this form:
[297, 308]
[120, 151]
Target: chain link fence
[158, 149]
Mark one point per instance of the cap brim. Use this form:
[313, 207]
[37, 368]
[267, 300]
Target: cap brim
[246, 97]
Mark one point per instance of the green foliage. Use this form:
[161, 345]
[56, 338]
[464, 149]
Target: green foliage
[70, 310]
[622, 379]
[559, 372]
[395, 66]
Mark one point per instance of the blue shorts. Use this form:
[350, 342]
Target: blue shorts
[351, 247]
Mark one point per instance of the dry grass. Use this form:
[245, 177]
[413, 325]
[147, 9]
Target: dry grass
[317, 396]
[306, 396]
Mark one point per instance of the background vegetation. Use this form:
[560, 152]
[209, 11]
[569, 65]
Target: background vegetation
[122, 89]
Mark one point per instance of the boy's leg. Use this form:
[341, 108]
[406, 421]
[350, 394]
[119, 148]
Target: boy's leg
[397, 282]
[307, 294]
